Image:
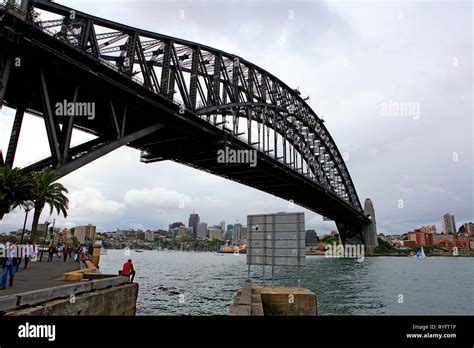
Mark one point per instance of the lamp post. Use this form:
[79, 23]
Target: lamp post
[27, 205]
[51, 231]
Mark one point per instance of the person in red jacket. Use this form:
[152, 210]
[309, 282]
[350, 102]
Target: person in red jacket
[128, 269]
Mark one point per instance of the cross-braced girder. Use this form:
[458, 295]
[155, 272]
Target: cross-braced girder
[207, 100]
[214, 84]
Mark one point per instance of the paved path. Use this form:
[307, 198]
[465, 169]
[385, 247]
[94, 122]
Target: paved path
[40, 275]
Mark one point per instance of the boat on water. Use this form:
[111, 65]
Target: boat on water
[138, 250]
[228, 249]
[420, 254]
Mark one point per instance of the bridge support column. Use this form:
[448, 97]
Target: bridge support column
[370, 231]
[350, 232]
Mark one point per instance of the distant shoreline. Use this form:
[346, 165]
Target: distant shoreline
[399, 255]
[427, 255]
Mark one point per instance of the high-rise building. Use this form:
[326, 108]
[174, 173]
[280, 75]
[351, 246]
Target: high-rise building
[236, 232]
[228, 235]
[201, 230]
[230, 227]
[193, 222]
[428, 229]
[467, 230]
[421, 238]
[83, 232]
[41, 229]
[448, 224]
[182, 231]
[90, 231]
[80, 233]
[223, 229]
[149, 235]
[215, 233]
[175, 225]
[243, 234]
[239, 233]
[311, 238]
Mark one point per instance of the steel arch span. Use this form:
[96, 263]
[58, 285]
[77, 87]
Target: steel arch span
[173, 100]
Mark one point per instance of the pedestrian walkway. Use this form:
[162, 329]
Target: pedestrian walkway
[40, 275]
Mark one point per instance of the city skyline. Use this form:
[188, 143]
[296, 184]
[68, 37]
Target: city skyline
[203, 226]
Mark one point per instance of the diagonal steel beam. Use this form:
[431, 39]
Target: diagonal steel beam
[4, 75]
[113, 118]
[15, 135]
[51, 125]
[105, 149]
[67, 131]
[75, 151]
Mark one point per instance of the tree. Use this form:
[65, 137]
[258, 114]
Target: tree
[74, 240]
[383, 247]
[46, 191]
[15, 188]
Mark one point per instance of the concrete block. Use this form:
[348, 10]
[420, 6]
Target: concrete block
[72, 276]
[118, 300]
[90, 265]
[288, 301]
[43, 295]
[246, 296]
[94, 276]
[8, 302]
[244, 310]
[107, 282]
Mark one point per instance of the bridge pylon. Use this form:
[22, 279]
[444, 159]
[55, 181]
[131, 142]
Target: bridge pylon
[370, 231]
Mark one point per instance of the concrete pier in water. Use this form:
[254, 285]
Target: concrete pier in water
[257, 300]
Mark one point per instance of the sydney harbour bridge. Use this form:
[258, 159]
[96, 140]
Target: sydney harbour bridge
[171, 99]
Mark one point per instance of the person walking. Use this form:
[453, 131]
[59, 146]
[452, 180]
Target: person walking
[59, 253]
[84, 253]
[77, 256]
[28, 251]
[65, 252]
[128, 270]
[9, 265]
[51, 252]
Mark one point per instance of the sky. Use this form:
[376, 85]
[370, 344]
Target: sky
[393, 81]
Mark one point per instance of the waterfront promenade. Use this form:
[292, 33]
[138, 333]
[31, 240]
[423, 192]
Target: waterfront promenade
[40, 275]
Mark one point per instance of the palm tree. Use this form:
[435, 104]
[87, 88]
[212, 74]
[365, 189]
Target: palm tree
[15, 188]
[46, 191]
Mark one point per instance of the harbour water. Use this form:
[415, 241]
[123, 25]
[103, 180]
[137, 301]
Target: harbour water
[204, 283]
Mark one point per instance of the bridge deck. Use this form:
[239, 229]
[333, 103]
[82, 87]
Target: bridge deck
[40, 275]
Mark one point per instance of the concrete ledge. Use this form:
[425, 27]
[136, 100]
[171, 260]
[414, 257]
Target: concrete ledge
[245, 301]
[117, 300]
[107, 282]
[244, 310]
[246, 297]
[95, 276]
[36, 297]
[8, 302]
[43, 295]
